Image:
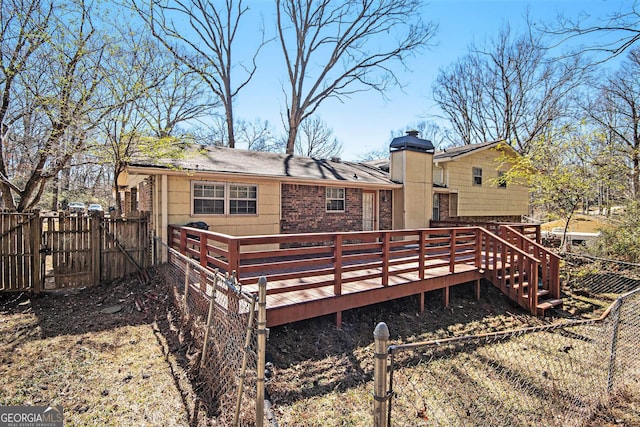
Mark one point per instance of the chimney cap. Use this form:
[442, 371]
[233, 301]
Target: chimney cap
[412, 142]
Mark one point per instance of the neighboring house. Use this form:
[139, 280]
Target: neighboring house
[467, 184]
[240, 192]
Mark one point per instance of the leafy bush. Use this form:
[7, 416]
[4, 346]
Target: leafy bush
[621, 241]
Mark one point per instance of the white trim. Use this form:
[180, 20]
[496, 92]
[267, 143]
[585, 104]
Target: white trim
[165, 211]
[226, 200]
[327, 199]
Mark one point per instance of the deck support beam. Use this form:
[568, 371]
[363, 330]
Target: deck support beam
[339, 320]
[445, 296]
[476, 287]
[422, 297]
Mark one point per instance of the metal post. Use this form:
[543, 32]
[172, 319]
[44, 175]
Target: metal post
[262, 349]
[212, 302]
[186, 284]
[245, 358]
[614, 345]
[380, 395]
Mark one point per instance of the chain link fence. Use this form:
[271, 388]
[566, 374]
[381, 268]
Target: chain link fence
[555, 375]
[222, 321]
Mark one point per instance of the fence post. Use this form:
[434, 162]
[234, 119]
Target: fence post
[212, 302]
[187, 273]
[380, 395]
[262, 349]
[245, 359]
[96, 247]
[36, 242]
[614, 346]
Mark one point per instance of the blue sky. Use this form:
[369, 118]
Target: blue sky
[364, 122]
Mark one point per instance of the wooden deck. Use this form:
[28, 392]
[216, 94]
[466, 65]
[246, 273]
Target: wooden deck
[311, 275]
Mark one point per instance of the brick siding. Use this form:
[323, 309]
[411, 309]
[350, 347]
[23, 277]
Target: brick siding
[304, 210]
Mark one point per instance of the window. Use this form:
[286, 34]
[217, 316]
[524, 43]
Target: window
[208, 199]
[335, 199]
[477, 176]
[220, 199]
[502, 179]
[436, 208]
[242, 199]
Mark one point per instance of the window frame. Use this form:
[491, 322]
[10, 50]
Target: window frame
[436, 207]
[332, 198]
[194, 197]
[501, 181]
[476, 176]
[227, 188]
[237, 198]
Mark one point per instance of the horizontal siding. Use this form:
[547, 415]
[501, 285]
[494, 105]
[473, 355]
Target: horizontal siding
[488, 199]
[266, 222]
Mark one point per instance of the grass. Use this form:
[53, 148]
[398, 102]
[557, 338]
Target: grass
[579, 223]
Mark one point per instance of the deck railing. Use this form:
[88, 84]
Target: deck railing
[511, 269]
[531, 231]
[335, 259]
[549, 261]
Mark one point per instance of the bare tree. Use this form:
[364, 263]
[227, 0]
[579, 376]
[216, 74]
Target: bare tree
[510, 90]
[180, 98]
[257, 135]
[52, 58]
[610, 35]
[335, 49]
[316, 139]
[151, 99]
[615, 107]
[207, 48]
[429, 130]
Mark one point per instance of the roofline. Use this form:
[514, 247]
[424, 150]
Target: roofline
[154, 170]
[462, 155]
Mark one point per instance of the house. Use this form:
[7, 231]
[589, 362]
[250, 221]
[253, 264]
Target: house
[240, 192]
[467, 184]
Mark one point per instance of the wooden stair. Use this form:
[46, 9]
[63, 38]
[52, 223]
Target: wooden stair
[518, 292]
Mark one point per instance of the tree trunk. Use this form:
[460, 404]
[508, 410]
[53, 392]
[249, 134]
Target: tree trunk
[56, 192]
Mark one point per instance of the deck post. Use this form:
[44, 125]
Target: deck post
[262, 349]
[476, 286]
[234, 256]
[380, 395]
[478, 254]
[339, 320]
[386, 247]
[203, 249]
[183, 242]
[422, 302]
[337, 265]
[445, 297]
[422, 255]
[452, 255]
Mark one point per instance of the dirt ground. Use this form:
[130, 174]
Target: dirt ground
[110, 355]
[114, 354]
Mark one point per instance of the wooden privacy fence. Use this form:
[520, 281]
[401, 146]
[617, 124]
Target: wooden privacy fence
[53, 252]
[20, 251]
